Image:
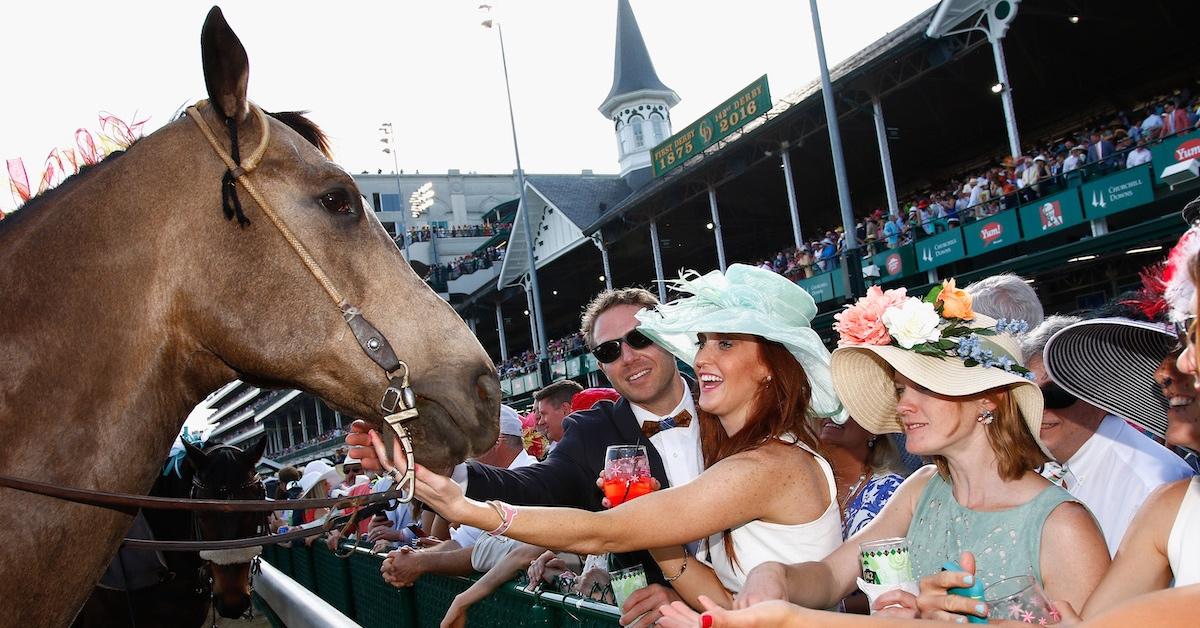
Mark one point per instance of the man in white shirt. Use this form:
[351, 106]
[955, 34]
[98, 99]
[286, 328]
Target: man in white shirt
[1138, 156]
[453, 557]
[1076, 159]
[1108, 465]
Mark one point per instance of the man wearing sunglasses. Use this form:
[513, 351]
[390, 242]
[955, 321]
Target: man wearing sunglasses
[1107, 464]
[651, 412]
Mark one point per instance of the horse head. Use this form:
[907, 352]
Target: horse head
[227, 472]
[273, 320]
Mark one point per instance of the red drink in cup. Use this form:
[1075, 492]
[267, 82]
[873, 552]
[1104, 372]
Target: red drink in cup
[626, 473]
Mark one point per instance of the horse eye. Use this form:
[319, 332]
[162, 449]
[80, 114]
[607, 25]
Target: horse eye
[338, 202]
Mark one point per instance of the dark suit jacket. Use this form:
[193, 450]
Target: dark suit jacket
[567, 477]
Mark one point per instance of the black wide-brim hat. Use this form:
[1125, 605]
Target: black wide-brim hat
[1110, 363]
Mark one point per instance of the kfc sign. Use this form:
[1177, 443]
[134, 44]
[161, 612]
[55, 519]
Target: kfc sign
[991, 232]
[894, 264]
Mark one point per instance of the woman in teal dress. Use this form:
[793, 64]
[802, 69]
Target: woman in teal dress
[950, 380]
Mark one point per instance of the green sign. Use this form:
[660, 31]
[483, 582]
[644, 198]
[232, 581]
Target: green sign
[506, 387]
[532, 382]
[895, 263]
[1117, 192]
[518, 385]
[734, 113]
[1051, 214]
[573, 367]
[1173, 150]
[590, 363]
[940, 249]
[825, 286]
[993, 232]
[558, 370]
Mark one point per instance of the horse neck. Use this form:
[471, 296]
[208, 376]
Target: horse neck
[93, 347]
[174, 525]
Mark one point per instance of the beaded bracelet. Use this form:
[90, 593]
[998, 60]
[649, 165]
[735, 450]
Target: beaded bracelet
[507, 515]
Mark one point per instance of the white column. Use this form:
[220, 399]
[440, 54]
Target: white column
[320, 423]
[533, 329]
[291, 432]
[500, 332]
[1006, 99]
[303, 425]
[598, 239]
[716, 220]
[885, 156]
[658, 266]
[793, 207]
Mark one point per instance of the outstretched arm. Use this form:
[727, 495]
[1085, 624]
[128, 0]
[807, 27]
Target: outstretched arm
[749, 487]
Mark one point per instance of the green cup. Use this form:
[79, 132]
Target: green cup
[886, 561]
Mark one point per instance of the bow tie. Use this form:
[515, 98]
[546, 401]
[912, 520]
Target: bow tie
[683, 419]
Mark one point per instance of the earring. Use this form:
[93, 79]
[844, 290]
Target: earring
[986, 417]
[767, 381]
[871, 441]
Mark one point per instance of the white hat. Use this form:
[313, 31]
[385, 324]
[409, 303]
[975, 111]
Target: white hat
[316, 471]
[510, 422]
[350, 460]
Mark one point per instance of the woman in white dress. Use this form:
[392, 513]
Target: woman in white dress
[766, 494]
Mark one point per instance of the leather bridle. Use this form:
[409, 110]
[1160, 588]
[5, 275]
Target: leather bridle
[398, 401]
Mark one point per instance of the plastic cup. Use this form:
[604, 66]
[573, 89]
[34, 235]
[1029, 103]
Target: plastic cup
[886, 562]
[626, 581]
[1020, 599]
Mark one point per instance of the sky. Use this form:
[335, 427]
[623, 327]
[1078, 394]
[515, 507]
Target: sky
[427, 66]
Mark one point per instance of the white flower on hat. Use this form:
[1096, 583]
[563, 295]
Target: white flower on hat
[913, 323]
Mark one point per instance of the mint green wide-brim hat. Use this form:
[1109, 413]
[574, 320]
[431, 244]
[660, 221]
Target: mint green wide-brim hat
[746, 300]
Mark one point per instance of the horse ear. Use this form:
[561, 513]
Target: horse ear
[195, 455]
[226, 68]
[252, 454]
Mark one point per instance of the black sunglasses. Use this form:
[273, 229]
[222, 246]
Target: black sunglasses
[609, 351]
[1055, 398]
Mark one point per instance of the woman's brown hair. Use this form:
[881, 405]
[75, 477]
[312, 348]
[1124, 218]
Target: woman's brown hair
[1016, 449]
[780, 407]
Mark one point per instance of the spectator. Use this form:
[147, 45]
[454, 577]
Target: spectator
[980, 427]
[1152, 126]
[1075, 160]
[1100, 149]
[1006, 296]
[1138, 156]
[1106, 464]
[553, 404]
[1174, 119]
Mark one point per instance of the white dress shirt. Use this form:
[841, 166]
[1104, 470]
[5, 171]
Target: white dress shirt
[1115, 470]
[679, 447]
[1137, 157]
[467, 535]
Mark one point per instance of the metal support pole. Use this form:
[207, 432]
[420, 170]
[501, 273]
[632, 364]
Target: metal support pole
[291, 432]
[303, 425]
[338, 417]
[1006, 99]
[852, 260]
[658, 267]
[471, 326]
[793, 208]
[599, 240]
[536, 300]
[500, 332]
[320, 423]
[716, 220]
[533, 330]
[885, 156]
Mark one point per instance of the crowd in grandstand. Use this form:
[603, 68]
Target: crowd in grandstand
[527, 362]
[1111, 142]
[426, 233]
[439, 274]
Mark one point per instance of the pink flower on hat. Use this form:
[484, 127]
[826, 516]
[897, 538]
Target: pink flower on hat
[862, 323]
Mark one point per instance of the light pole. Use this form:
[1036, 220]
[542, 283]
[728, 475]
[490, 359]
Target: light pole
[390, 139]
[538, 340]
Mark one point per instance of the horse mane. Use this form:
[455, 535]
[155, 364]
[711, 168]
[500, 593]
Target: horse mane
[299, 122]
[295, 120]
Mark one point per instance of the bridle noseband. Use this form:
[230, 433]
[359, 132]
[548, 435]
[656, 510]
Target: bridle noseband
[398, 401]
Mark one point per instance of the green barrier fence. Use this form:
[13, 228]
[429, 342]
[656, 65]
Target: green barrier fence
[355, 587]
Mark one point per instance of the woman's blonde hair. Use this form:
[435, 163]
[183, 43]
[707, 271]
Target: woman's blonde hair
[1015, 448]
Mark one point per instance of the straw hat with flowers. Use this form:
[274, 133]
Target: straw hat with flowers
[939, 342]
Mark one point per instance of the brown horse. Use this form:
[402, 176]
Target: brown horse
[128, 296]
[186, 586]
